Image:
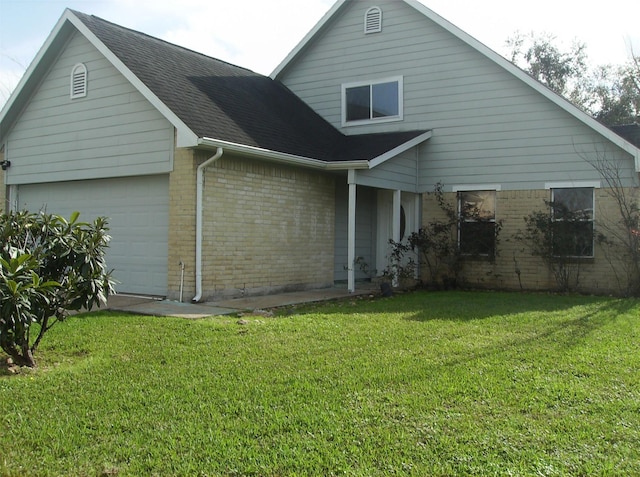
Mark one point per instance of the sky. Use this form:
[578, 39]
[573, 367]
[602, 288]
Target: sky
[258, 34]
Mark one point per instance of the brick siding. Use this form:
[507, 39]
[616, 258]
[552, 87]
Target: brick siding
[266, 227]
[182, 223]
[597, 275]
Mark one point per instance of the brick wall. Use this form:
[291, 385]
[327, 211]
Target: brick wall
[266, 227]
[597, 275]
[182, 223]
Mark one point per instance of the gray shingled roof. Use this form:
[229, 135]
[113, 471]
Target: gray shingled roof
[225, 102]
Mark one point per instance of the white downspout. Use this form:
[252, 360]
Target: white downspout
[199, 200]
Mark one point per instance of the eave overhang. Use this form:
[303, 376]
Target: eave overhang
[281, 157]
[307, 162]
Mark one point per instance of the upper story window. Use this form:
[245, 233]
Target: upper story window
[78, 81]
[373, 20]
[373, 101]
[572, 216]
[477, 222]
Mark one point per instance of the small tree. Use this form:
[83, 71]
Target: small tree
[48, 267]
[436, 245]
[559, 243]
[622, 228]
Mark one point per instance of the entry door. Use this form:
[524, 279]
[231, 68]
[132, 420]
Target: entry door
[409, 223]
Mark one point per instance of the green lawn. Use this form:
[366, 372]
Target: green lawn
[451, 383]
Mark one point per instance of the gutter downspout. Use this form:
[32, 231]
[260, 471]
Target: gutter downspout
[199, 196]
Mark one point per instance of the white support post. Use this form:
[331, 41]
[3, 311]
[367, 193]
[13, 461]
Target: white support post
[417, 224]
[397, 203]
[351, 255]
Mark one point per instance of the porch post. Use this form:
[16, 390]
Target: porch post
[397, 203]
[417, 226]
[351, 254]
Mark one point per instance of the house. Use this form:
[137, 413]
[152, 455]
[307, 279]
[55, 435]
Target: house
[222, 182]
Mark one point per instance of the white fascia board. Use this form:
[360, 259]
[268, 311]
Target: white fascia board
[400, 149]
[185, 137]
[282, 157]
[529, 80]
[308, 37]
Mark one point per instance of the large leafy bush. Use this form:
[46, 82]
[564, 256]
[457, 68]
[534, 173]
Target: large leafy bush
[49, 266]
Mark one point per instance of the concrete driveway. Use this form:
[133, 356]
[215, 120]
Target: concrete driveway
[158, 307]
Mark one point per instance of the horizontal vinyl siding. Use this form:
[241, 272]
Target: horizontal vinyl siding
[398, 173]
[113, 131]
[488, 126]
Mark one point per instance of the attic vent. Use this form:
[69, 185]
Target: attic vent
[373, 20]
[79, 81]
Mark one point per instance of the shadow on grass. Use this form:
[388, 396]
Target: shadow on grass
[462, 305]
[563, 332]
[476, 305]
[525, 318]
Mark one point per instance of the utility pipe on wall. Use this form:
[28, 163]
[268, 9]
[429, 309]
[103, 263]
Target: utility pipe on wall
[199, 200]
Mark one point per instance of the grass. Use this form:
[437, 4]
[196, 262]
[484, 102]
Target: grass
[452, 383]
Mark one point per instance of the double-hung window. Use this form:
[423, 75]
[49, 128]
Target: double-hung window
[572, 220]
[477, 222]
[374, 101]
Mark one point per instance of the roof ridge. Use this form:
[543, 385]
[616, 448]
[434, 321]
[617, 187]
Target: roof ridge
[80, 14]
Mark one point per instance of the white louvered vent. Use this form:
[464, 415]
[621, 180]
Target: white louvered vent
[78, 81]
[373, 20]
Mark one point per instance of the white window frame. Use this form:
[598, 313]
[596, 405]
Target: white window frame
[78, 84]
[386, 119]
[373, 20]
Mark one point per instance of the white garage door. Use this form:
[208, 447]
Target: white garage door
[138, 212]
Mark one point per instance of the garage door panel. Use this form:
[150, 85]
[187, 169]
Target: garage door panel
[138, 213]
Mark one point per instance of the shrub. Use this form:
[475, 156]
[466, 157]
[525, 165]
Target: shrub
[48, 267]
[560, 244]
[437, 247]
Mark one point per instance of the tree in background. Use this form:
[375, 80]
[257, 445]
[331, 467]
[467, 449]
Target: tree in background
[561, 71]
[617, 92]
[610, 93]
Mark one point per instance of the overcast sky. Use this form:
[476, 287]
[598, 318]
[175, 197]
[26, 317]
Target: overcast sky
[258, 34]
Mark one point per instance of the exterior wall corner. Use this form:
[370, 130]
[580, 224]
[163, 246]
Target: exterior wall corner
[182, 225]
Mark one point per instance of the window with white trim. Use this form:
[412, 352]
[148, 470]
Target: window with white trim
[78, 81]
[373, 101]
[477, 222]
[572, 216]
[373, 20]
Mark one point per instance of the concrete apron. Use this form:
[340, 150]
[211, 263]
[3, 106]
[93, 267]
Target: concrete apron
[158, 307]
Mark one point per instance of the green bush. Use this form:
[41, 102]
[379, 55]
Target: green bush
[48, 267]
[563, 245]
